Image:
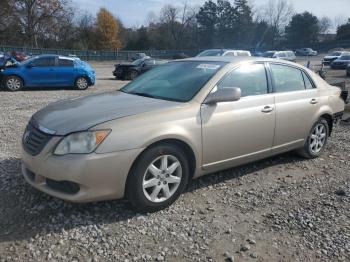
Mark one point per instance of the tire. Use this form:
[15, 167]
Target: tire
[133, 74]
[81, 83]
[149, 189]
[13, 83]
[314, 149]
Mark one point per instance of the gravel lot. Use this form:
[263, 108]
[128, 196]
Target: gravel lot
[281, 209]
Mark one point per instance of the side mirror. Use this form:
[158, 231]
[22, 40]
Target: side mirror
[30, 66]
[227, 94]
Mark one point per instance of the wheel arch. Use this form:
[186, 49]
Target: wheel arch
[13, 74]
[189, 154]
[329, 119]
[82, 75]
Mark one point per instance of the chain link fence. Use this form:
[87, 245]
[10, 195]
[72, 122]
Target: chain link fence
[100, 55]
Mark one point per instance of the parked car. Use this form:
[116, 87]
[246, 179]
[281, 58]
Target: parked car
[2, 54]
[257, 53]
[48, 71]
[179, 121]
[341, 62]
[129, 71]
[328, 59]
[306, 52]
[138, 56]
[180, 56]
[285, 55]
[224, 52]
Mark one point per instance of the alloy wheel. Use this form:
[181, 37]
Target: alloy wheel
[162, 178]
[82, 83]
[13, 84]
[318, 138]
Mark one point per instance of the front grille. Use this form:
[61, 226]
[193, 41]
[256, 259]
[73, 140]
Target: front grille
[34, 140]
[66, 187]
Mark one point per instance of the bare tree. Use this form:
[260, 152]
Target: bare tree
[277, 13]
[325, 25]
[177, 19]
[33, 15]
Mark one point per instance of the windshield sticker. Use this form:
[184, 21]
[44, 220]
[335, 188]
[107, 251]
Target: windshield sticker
[208, 66]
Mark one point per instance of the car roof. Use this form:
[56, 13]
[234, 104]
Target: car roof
[237, 59]
[57, 56]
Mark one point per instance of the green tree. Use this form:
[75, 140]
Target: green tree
[303, 29]
[244, 22]
[343, 31]
[207, 19]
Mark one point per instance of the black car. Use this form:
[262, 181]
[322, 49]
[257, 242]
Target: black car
[129, 71]
[341, 63]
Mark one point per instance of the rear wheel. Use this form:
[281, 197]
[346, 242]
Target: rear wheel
[81, 83]
[158, 178]
[317, 140]
[13, 83]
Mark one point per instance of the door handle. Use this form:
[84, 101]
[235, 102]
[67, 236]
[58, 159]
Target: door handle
[267, 109]
[313, 101]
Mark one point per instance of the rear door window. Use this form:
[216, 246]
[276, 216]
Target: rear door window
[286, 78]
[251, 79]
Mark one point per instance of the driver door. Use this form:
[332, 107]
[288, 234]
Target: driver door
[41, 72]
[240, 131]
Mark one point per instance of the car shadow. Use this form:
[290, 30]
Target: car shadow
[26, 212]
[27, 89]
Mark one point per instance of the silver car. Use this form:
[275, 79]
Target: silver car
[179, 121]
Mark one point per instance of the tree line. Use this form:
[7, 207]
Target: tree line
[215, 24]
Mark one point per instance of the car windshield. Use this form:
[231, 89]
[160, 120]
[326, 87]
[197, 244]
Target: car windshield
[28, 61]
[268, 54]
[336, 54]
[176, 81]
[211, 53]
[139, 61]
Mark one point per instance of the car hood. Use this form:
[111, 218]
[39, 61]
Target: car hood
[331, 57]
[79, 114]
[126, 64]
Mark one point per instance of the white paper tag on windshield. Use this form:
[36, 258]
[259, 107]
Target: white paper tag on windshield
[208, 66]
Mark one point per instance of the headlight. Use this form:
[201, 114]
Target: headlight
[81, 143]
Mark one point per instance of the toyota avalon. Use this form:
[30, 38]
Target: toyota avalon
[179, 121]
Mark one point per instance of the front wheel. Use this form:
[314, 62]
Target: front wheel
[317, 140]
[13, 83]
[158, 178]
[81, 83]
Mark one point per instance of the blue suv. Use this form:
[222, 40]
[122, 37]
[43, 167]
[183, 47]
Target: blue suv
[48, 71]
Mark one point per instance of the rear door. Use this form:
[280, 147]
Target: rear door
[297, 103]
[41, 72]
[65, 72]
[234, 132]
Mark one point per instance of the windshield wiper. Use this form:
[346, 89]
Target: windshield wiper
[143, 94]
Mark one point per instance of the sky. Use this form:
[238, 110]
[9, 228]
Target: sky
[133, 13]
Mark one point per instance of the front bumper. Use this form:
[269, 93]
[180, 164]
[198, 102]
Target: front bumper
[79, 178]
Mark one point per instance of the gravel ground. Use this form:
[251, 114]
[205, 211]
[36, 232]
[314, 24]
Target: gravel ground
[281, 209]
